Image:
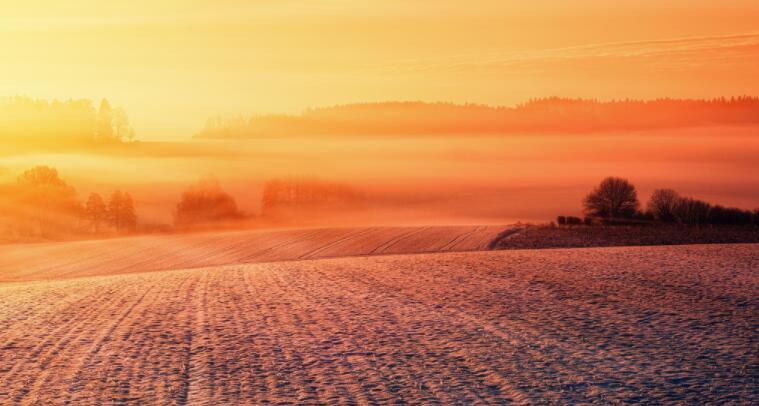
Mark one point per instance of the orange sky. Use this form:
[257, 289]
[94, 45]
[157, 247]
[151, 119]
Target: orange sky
[171, 64]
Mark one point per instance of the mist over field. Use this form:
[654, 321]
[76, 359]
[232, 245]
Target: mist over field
[333, 202]
[452, 179]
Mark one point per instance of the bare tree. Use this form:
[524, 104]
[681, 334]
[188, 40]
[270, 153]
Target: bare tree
[613, 198]
[692, 211]
[663, 203]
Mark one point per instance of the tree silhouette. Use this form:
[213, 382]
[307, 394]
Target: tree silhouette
[128, 215]
[692, 211]
[121, 213]
[121, 129]
[40, 203]
[114, 207]
[41, 176]
[95, 211]
[613, 198]
[47, 200]
[662, 204]
[104, 122]
[667, 206]
[306, 193]
[204, 203]
[729, 216]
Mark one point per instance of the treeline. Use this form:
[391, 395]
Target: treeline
[30, 122]
[540, 115]
[668, 206]
[41, 205]
[615, 201]
[284, 200]
[297, 194]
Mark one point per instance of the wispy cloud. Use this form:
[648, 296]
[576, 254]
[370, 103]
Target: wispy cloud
[678, 51]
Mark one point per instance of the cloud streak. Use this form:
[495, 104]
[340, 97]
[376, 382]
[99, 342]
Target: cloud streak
[680, 52]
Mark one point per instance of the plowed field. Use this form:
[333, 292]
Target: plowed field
[23, 262]
[604, 325]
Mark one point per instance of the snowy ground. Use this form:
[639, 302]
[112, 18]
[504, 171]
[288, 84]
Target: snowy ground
[601, 325]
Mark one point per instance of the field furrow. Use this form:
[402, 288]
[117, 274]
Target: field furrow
[23, 262]
[619, 325]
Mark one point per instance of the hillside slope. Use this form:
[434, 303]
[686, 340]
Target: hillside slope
[639, 325]
[22, 262]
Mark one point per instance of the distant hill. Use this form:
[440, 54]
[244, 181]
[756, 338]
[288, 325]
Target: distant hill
[540, 115]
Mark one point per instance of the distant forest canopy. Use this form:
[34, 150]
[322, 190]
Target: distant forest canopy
[31, 122]
[539, 115]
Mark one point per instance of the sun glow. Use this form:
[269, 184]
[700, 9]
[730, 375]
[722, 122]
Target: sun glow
[172, 65]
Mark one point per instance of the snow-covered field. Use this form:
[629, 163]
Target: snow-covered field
[23, 262]
[603, 325]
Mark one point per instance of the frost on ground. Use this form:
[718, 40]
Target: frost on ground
[24, 262]
[651, 325]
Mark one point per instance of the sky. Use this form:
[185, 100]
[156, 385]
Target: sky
[172, 64]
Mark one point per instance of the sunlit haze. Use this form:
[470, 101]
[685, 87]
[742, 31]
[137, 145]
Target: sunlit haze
[407, 111]
[171, 64]
[370, 202]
